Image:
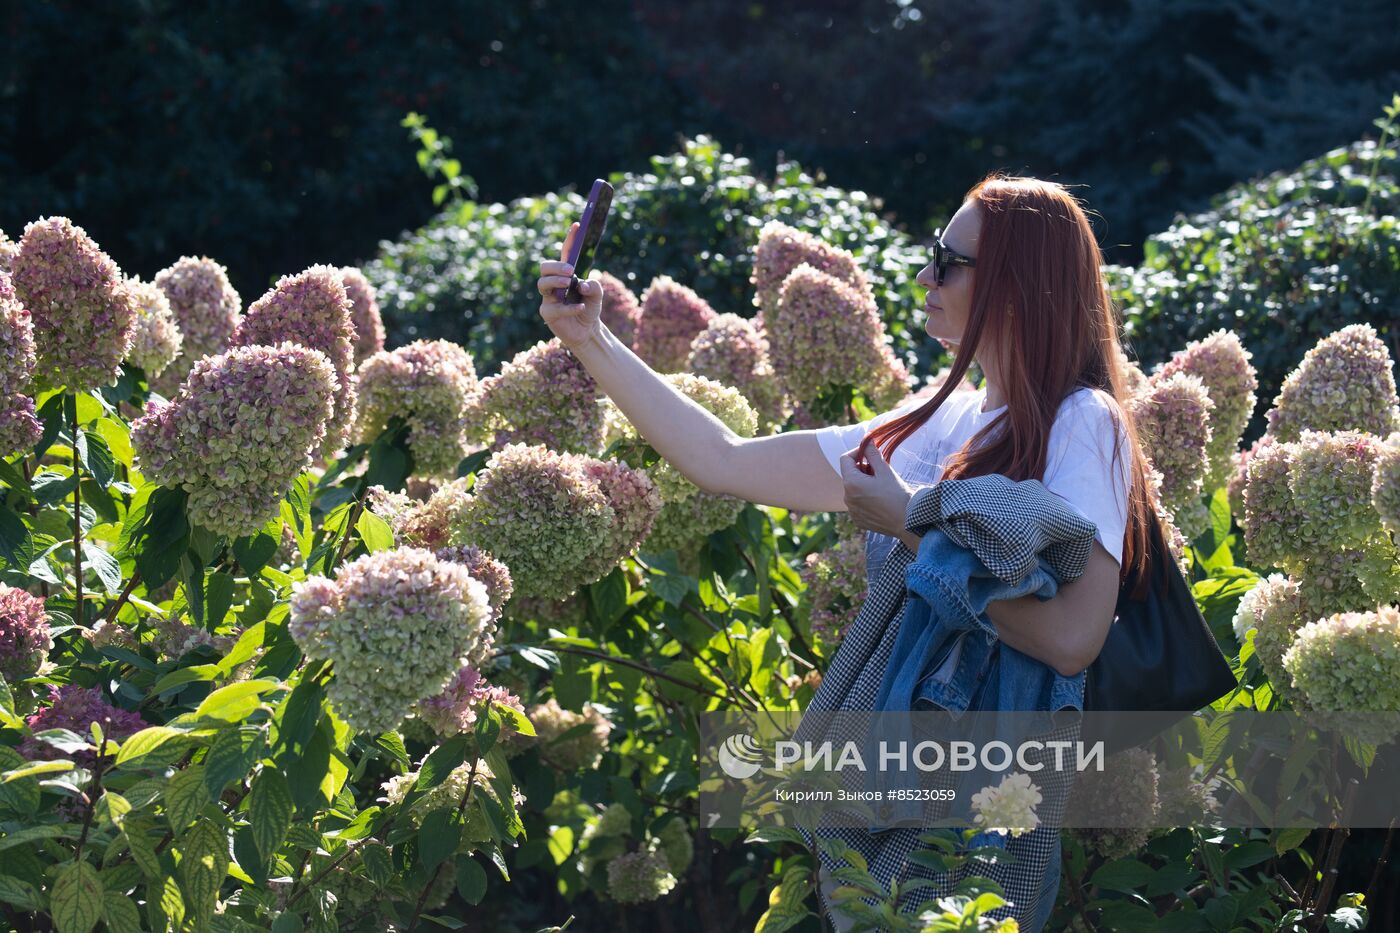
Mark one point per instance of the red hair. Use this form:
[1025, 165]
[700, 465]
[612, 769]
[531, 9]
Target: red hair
[1040, 297]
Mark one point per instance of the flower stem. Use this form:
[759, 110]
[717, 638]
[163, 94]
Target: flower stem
[70, 402]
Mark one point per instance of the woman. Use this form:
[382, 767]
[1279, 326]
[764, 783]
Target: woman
[1015, 284]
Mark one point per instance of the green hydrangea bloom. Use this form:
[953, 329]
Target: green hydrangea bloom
[1221, 362]
[639, 877]
[1345, 382]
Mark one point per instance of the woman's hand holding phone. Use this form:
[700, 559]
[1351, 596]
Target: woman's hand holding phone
[573, 324]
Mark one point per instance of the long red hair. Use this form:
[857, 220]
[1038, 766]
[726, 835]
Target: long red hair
[1040, 297]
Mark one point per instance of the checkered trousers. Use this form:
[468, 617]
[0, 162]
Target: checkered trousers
[852, 682]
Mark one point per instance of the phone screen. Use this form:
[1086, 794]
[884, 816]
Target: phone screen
[595, 218]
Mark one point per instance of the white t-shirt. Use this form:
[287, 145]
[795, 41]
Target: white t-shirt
[1079, 465]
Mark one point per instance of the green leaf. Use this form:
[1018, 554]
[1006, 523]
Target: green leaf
[1291, 838]
[235, 702]
[219, 596]
[185, 797]
[247, 645]
[104, 565]
[152, 745]
[13, 477]
[120, 914]
[232, 756]
[471, 879]
[96, 457]
[269, 811]
[14, 538]
[374, 532]
[171, 902]
[390, 460]
[771, 834]
[1247, 854]
[76, 901]
[520, 720]
[20, 894]
[445, 759]
[1173, 876]
[310, 771]
[254, 551]
[609, 598]
[1125, 875]
[185, 675]
[37, 767]
[203, 866]
[112, 808]
[52, 487]
[156, 533]
[298, 715]
[540, 657]
[377, 864]
[438, 837]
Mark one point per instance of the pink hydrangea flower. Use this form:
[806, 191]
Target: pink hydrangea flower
[559, 521]
[364, 313]
[621, 309]
[781, 249]
[825, 333]
[8, 250]
[836, 587]
[396, 624]
[672, 316]
[83, 315]
[238, 433]
[311, 309]
[496, 577]
[466, 695]
[1330, 477]
[19, 427]
[1240, 466]
[207, 311]
[76, 708]
[24, 633]
[731, 351]
[682, 523]
[1173, 416]
[429, 523]
[156, 339]
[1221, 362]
[543, 395]
[429, 383]
[1346, 382]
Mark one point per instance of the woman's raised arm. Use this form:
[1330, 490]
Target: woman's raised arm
[786, 470]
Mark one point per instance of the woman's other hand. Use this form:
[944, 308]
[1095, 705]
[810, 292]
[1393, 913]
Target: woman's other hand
[879, 500]
[573, 324]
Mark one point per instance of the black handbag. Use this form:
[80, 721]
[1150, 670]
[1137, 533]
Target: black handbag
[1160, 657]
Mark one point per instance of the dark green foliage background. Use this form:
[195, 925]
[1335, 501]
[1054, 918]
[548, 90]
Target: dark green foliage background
[266, 134]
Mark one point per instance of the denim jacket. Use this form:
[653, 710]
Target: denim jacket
[984, 538]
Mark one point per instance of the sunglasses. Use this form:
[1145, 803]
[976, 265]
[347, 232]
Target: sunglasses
[943, 257]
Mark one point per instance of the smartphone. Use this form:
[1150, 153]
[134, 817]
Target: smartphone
[595, 218]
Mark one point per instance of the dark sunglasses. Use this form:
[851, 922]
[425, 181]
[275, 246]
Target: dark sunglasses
[943, 257]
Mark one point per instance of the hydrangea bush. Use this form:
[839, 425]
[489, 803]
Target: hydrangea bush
[252, 682]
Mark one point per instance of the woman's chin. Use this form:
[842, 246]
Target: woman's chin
[937, 334]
